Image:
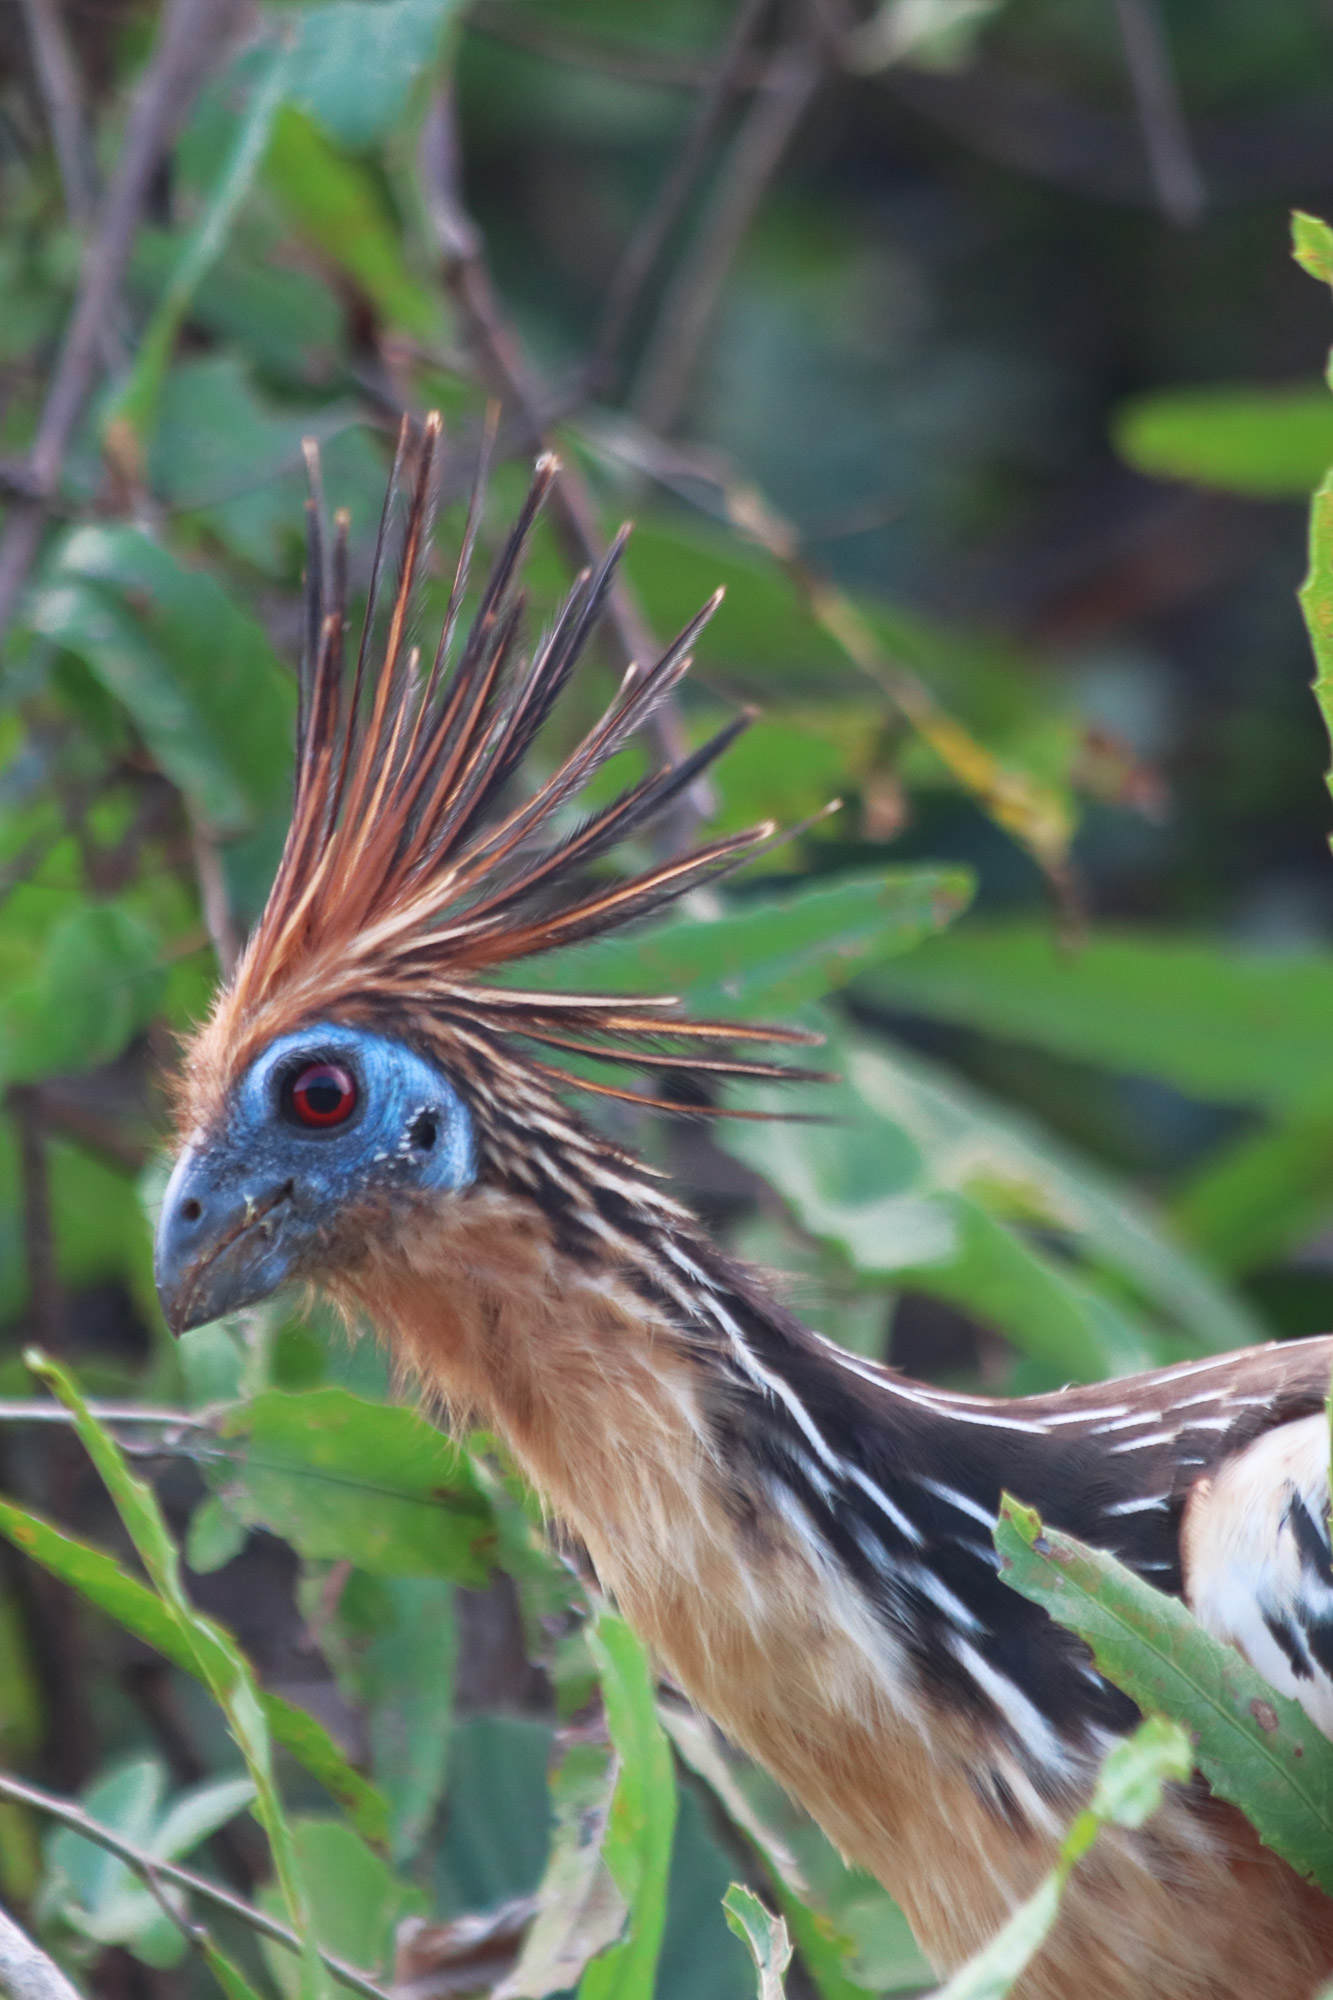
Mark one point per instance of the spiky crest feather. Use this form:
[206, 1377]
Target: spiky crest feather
[409, 873]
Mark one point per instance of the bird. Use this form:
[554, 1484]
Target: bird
[383, 1108]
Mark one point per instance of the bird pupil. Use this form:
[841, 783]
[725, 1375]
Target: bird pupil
[323, 1094]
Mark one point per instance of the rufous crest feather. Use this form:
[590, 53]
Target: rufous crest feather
[414, 871]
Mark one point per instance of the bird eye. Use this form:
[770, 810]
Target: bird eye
[321, 1095]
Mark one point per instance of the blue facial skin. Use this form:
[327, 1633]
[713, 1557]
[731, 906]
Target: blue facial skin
[256, 1203]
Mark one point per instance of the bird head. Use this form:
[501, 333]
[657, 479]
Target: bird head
[372, 1056]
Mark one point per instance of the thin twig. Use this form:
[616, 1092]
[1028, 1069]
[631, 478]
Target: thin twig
[790, 81]
[188, 32]
[625, 292]
[630, 62]
[147, 1866]
[62, 100]
[1166, 138]
[501, 361]
[213, 898]
[18, 1410]
[1033, 813]
[25, 1970]
[46, 1312]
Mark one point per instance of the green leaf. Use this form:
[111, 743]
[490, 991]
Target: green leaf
[852, 1936]
[97, 982]
[1253, 1201]
[1312, 245]
[98, 1894]
[1256, 1747]
[356, 1902]
[769, 955]
[1264, 443]
[1223, 1023]
[337, 205]
[214, 1537]
[765, 1935]
[131, 413]
[1129, 1790]
[198, 676]
[401, 1642]
[226, 1971]
[357, 60]
[1317, 601]
[637, 1845]
[234, 458]
[219, 1662]
[918, 1177]
[376, 1485]
[101, 1579]
[580, 1910]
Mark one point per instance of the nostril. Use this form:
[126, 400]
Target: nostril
[191, 1210]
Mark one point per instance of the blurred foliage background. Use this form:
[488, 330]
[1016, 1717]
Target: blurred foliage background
[961, 340]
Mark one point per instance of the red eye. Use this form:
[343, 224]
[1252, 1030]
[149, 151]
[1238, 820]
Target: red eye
[324, 1094]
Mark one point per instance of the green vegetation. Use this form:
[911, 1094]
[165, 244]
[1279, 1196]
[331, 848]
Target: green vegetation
[295, 1696]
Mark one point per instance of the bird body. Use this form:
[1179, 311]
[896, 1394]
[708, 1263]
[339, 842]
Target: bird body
[803, 1538]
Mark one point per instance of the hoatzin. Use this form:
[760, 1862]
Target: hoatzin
[803, 1538]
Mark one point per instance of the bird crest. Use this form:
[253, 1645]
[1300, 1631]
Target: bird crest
[418, 870]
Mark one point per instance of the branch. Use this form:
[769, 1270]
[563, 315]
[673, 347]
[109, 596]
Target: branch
[1166, 137]
[62, 100]
[501, 361]
[629, 62]
[625, 292]
[25, 1971]
[789, 83]
[175, 70]
[1030, 811]
[152, 1872]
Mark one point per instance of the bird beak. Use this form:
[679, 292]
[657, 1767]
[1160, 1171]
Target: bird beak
[222, 1241]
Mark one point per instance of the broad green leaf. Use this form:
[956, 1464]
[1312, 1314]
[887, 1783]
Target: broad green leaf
[101, 1579]
[99, 1894]
[129, 420]
[1130, 1785]
[1312, 245]
[337, 205]
[355, 1900]
[219, 1662]
[370, 1483]
[852, 1936]
[1253, 1201]
[773, 953]
[214, 1538]
[1263, 443]
[198, 675]
[400, 1647]
[580, 1910]
[232, 457]
[764, 1934]
[1256, 1747]
[918, 1177]
[357, 60]
[637, 1844]
[97, 981]
[1223, 1023]
[197, 1813]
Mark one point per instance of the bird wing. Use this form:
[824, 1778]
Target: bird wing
[1258, 1570]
